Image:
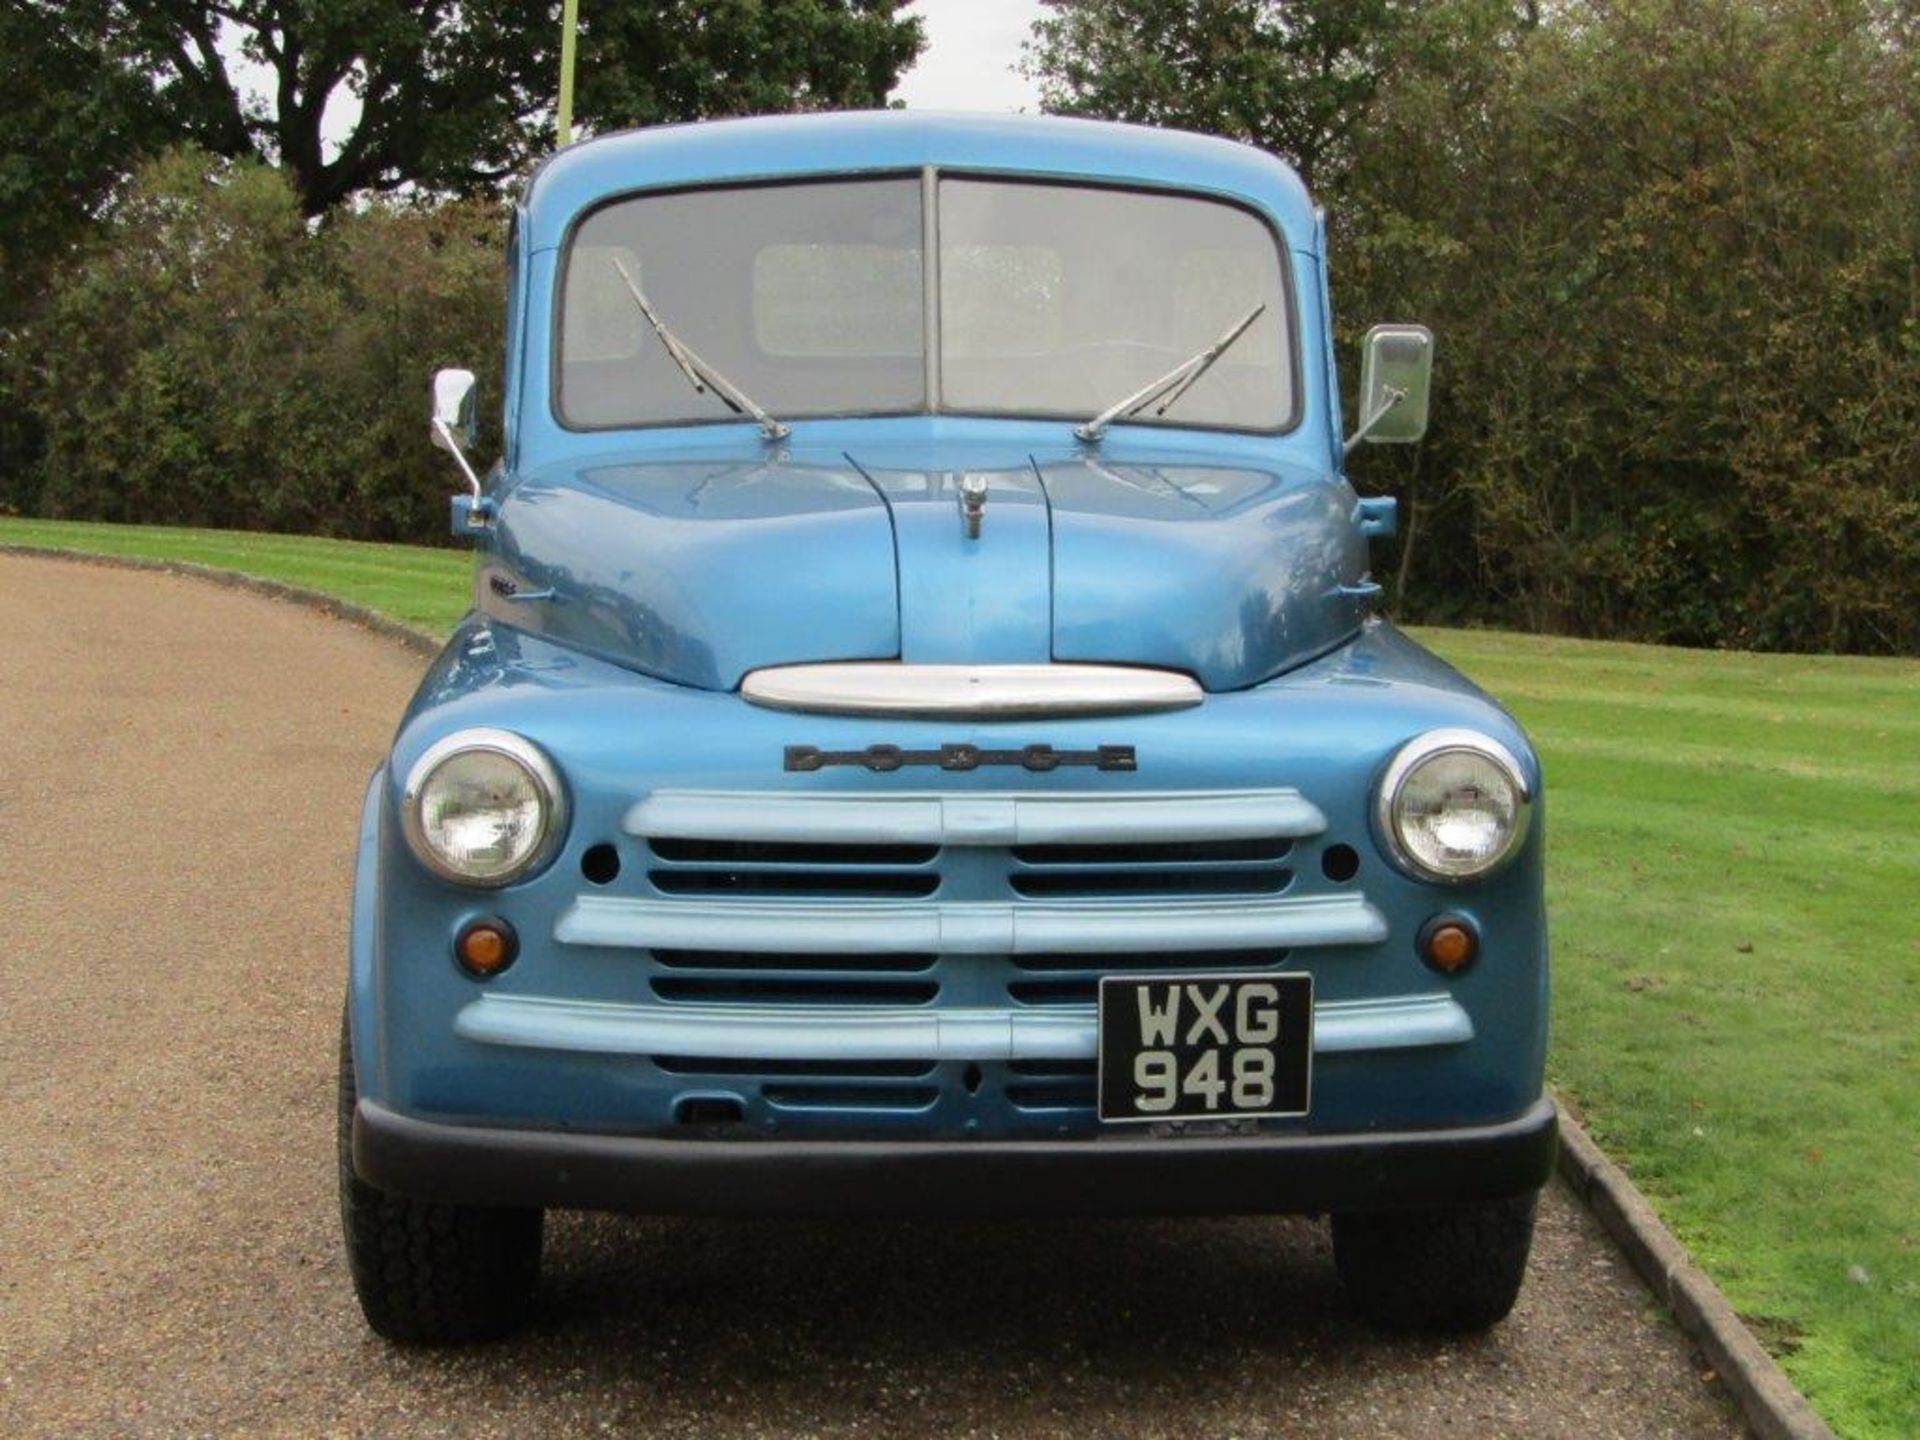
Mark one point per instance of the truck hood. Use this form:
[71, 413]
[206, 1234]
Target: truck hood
[702, 571]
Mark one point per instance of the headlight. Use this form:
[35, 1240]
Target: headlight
[483, 807]
[1453, 806]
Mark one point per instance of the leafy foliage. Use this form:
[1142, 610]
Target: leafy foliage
[71, 122]
[1292, 76]
[1671, 251]
[216, 363]
[71, 119]
[454, 96]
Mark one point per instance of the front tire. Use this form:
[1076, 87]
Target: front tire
[1451, 1270]
[428, 1273]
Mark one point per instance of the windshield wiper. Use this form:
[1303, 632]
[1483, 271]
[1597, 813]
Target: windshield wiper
[700, 374]
[1179, 380]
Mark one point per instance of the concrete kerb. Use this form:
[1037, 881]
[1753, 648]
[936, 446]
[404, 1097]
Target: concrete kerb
[1773, 1407]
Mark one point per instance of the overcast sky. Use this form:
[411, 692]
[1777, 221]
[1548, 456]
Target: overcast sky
[972, 47]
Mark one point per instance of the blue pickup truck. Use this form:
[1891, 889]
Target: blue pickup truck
[922, 742]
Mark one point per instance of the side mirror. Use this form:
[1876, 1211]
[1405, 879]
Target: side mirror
[1396, 378]
[453, 424]
[453, 430]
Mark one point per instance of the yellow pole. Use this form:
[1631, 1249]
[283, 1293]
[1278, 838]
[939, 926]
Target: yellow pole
[569, 25]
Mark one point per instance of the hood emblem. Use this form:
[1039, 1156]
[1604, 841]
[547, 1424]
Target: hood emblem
[973, 503]
[884, 759]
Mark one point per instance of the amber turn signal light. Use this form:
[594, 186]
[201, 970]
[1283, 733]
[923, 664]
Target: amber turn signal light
[1448, 943]
[485, 947]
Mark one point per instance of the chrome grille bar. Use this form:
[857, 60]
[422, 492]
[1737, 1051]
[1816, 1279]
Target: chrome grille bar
[920, 818]
[968, 927]
[826, 1034]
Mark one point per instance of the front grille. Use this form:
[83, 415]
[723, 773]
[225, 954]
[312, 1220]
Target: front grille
[853, 1098]
[1047, 1085]
[826, 1087]
[1181, 853]
[822, 883]
[1085, 884]
[972, 929]
[770, 852]
[1205, 867]
[745, 977]
[791, 990]
[1075, 979]
[774, 960]
[746, 868]
[800, 869]
[787, 1069]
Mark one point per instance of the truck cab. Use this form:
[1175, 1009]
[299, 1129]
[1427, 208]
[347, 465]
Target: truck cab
[923, 742]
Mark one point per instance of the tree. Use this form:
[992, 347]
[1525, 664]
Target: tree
[193, 362]
[454, 95]
[1291, 76]
[1671, 253]
[71, 121]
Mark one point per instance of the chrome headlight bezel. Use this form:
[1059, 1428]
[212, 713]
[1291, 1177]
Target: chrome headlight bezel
[538, 768]
[1408, 760]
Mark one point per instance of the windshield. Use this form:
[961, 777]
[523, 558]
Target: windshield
[1047, 299]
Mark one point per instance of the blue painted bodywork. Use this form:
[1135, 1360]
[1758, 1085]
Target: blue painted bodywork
[1229, 572]
[630, 579]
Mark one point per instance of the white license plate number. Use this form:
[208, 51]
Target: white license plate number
[1197, 1047]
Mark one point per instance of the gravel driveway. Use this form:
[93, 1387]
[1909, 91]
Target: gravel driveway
[180, 771]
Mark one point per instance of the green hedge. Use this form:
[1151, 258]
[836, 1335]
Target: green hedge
[1671, 253]
[215, 360]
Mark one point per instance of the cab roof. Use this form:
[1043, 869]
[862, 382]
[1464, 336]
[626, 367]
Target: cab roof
[868, 141]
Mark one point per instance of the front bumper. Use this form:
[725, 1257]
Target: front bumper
[1111, 1175]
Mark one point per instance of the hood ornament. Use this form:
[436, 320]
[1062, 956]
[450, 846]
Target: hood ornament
[973, 503]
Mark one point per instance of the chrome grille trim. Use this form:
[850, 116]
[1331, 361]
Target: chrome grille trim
[972, 691]
[1396, 1022]
[968, 927]
[774, 1033]
[946, 818]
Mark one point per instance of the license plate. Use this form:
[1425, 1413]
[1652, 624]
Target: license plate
[1192, 1047]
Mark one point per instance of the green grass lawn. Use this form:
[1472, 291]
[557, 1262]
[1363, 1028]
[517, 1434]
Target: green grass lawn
[428, 588]
[1735, 880]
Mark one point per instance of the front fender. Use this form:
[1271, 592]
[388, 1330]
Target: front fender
[363, 945]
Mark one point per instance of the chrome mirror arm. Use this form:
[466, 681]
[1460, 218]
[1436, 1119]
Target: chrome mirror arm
[451, 443]
[1394, 397]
